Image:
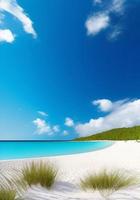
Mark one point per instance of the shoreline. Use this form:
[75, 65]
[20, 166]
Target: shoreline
[117, 152]
[56, 156]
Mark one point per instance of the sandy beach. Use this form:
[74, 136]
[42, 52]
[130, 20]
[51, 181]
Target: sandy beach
[121, 155]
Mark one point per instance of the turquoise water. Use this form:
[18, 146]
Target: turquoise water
[19, 150]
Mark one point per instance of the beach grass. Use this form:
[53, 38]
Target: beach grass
[41, 173]
[108, 182]
[7, 194]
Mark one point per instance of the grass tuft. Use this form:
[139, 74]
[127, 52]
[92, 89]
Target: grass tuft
[107, 182]
[7, 194]
[39, 173]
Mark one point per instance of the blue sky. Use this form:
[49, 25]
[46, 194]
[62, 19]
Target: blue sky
[68, 68]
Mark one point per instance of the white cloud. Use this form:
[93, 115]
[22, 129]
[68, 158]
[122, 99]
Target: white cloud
[69, 122]
[42, 127]
[104, 105]
[6, 36]
[42, 113]
[124, 114]
[97, 23]
[102, 19]
[12, 7]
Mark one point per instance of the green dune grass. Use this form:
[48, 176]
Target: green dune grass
[108, 182]
[132, 133]
[7, 194]
[39, 173]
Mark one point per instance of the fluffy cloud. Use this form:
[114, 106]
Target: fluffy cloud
[69, 122]
[6, 36]
[104, 105]
[102, 19]
[97, 23]
[11, 6]
[124, 113]
[42, 127]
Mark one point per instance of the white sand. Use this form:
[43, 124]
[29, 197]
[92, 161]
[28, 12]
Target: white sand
[121, 155]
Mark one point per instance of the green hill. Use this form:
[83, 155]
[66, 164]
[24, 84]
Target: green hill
[132, 133]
